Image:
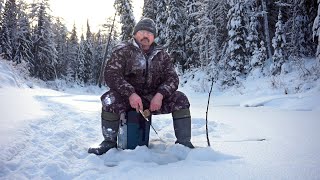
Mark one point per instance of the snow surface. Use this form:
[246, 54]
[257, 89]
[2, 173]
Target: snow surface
[260, 134]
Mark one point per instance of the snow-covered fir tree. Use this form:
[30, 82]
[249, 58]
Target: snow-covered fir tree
[88, 56]
[220, 16]
[23, 44]
[297, 42]
[218, 11]
[9, 30]
[205, 40]
[253, 35]
[125, 11]
[1, 7]
[236, 55]
[263, 52]
[6, 43]
[99, 50]
[278, 43]
[45, 53]
[80, 62]
[212, 17]
[73, 45]
[175, 32]
[256, 49]
[60, 38]
[149, 9]
[316, 31]
[258, 58]
[161, 20]
[192, 46]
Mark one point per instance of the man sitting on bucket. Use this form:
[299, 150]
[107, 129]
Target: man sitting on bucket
[140, 74]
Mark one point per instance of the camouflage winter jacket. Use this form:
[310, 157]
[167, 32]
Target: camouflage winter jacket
[130, 70]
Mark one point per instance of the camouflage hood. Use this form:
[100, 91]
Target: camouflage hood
[131, 70]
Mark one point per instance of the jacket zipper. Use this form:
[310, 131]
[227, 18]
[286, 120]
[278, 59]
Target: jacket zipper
[146, 74]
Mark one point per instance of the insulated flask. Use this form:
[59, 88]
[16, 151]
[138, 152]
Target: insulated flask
[134, 132]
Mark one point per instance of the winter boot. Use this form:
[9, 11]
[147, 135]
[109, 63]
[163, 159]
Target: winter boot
[182, 127]
[110, 127]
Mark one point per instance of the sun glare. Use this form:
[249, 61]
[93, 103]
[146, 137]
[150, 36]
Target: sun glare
[96, 11]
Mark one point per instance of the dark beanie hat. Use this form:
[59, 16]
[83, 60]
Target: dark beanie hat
[146, 24]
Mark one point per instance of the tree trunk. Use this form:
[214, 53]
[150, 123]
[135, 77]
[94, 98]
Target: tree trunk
[266, 28]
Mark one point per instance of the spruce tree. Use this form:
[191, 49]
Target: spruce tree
[192, 30]
[175, 32]
[149, 9]
[45, 53]
[316, 32]
[9, 30]
[125, 11]
[219, 13]
[99, 49]
[262, 55]
[73, 46]
[80, 67]
[6, 43]
[60, 38]
[205, 39]
[253, 35]
[278, 43]
[256, 49]
[23, 42]
[88, 56]
[236, 54]
[1, 8]
[298, 45]
[161, 20]
[258, 58]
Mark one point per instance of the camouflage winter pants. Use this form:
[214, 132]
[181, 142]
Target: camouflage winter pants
[114, 103]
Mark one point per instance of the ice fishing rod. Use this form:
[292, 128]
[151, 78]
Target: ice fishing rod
[145, 114]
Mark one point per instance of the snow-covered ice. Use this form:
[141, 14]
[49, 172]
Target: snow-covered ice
[45, 134]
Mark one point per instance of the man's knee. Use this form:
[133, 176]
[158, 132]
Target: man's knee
[176, 101]
[182, 100]
[112, 102]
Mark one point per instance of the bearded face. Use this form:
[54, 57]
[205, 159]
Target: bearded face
[145, 38]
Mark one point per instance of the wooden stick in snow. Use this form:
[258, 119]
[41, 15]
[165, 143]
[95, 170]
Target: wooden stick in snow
[207, 132]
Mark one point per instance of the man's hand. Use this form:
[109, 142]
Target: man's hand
[136, 102]
[156, 102]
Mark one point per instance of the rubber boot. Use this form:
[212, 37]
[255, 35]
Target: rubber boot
[182, 127]
[110, 127]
